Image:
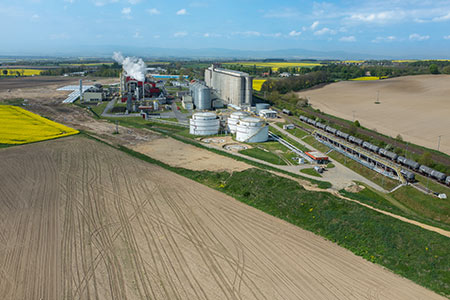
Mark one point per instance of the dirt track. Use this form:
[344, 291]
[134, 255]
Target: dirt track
[80, 220]
[416, 107]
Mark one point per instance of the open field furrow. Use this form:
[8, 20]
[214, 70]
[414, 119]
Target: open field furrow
[94, 223]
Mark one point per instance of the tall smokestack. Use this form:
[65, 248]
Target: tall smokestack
[81, 91]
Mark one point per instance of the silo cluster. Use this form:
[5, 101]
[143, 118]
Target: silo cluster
[201, 95]
[233, 87]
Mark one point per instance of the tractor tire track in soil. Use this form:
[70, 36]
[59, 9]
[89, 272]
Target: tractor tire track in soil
[81, 220]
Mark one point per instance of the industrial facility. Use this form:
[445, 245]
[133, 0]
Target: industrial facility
[201, 97]
[372, 156]
[140, 94]
[233, 87]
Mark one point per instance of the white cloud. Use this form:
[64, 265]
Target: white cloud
[247, 33]
[182, 12]
[278, 34]
[295, 33]
[211, 35]
[137, 35]
[35, 18]
[69, 1]
[126, 12]
[348, 39]
[325, 30]
[153, 11]
[441, 18]
[380, 17]
[157, 36]
[180, 34]
[314, 25]
[418, 37]
[380, 39]
[104, 2]
[134, 2]
[447, 37]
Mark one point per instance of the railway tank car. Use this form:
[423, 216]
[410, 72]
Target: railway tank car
[413, 165]
[383, 152]
[409, 176]
[408, 162]
[438, 175]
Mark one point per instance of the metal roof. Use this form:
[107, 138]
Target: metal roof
[76, 92]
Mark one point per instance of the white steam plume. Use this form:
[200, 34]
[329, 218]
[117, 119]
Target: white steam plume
[133, 67]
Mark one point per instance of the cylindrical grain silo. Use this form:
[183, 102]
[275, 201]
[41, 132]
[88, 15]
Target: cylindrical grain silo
[204, 97]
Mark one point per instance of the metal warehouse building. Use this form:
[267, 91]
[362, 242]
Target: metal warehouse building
[234, 87]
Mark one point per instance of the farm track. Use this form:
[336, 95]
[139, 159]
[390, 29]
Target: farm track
[80, 220]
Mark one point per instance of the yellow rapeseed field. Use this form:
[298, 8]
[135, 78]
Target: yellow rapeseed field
[19, 126]
[366, 78]
[22, 72]
[276, 65]
[257, 84]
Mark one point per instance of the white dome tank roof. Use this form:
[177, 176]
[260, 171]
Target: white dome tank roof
[238, 114]
[204, 116]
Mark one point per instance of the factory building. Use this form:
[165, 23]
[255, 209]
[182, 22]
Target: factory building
[233, 87]
[268, 114]
[138, 90]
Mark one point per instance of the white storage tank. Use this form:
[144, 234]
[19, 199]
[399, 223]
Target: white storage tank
[204, 123]
[252, 130]
[233, 120]
[261, 106]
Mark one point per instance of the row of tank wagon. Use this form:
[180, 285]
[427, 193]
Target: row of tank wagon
[246, 128]
[413, 165]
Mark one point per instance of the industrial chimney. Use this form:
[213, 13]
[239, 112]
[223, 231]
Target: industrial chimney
[81, 91]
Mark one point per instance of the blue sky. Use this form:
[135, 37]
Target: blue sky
[391, 28]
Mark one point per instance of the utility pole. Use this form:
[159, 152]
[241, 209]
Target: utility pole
[439, 141]
[353, 115]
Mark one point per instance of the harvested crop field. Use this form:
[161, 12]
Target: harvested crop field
[179, 154]
[416, 107]
[81, 220]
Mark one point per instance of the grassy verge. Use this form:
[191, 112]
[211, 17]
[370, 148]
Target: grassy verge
[432, 185]
[424, 205]
[298, 132]
[330, 166]
[395, 204]
[310, 171]
[264, 155]
[98, 109]
[289, 140]
[410, 251]
[318, 145]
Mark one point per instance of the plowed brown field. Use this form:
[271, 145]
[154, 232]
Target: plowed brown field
[416, 107]
[80, 220]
